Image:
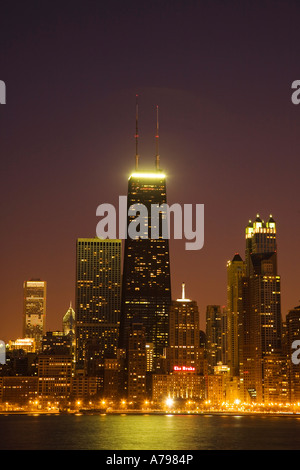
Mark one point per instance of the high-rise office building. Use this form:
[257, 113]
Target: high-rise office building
[213, 336]
[69, 329]
[137, 363]
[224, 336]
[261, 305]
[98, 297]
[146, 290]
[235, 272]
[293, 334]
[275, 378]
[69, 322]
[54, 378]
[34, 310]
[260, 239]
[184, 344]
[183, 376]
[262, 268]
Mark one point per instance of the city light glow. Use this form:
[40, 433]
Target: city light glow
[169, 402]
[148, 175]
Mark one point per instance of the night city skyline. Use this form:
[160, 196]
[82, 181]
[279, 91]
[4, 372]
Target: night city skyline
[143, 343]
[226, 125]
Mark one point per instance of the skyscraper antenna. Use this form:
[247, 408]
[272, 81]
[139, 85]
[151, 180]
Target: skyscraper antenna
[136, 133]
[183, 291]
[157, 141]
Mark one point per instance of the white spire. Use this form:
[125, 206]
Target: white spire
[183, 291]
[157, 141]
[136, 133]
[183, 299]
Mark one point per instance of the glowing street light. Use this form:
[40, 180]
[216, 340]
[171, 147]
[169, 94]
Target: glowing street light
[169, 402]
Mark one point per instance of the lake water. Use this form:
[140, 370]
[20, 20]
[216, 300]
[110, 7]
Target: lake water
[142, 432]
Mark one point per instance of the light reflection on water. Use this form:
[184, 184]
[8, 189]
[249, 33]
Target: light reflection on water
[148, 432]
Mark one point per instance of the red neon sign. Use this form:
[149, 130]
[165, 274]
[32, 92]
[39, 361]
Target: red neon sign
[184, 369]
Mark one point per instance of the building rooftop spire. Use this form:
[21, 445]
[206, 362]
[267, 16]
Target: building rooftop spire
[157, 141]
[183, 299]
[136, 132]
[183, 291]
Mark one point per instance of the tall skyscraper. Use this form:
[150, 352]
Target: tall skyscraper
[69, 329]
[69, 322]
[213, 336]
[137, 363]
[98, 297]
[235, 272]
[261, 319]
[293, 334]
[34, 310]
[146, 290]
[184, 342]
[262, 268]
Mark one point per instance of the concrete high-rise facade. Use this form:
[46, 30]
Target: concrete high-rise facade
[146, 289]
[69, 322]
[69, 329]
[183, 377]
[293, 334]
[183, 351]
[235, 272]
[213, 336]
[54, 378]
[261, 322]
[34, 310]
[137, 364]
[98, 297]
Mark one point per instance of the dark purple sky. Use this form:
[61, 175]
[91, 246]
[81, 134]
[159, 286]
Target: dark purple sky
[221, 73]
